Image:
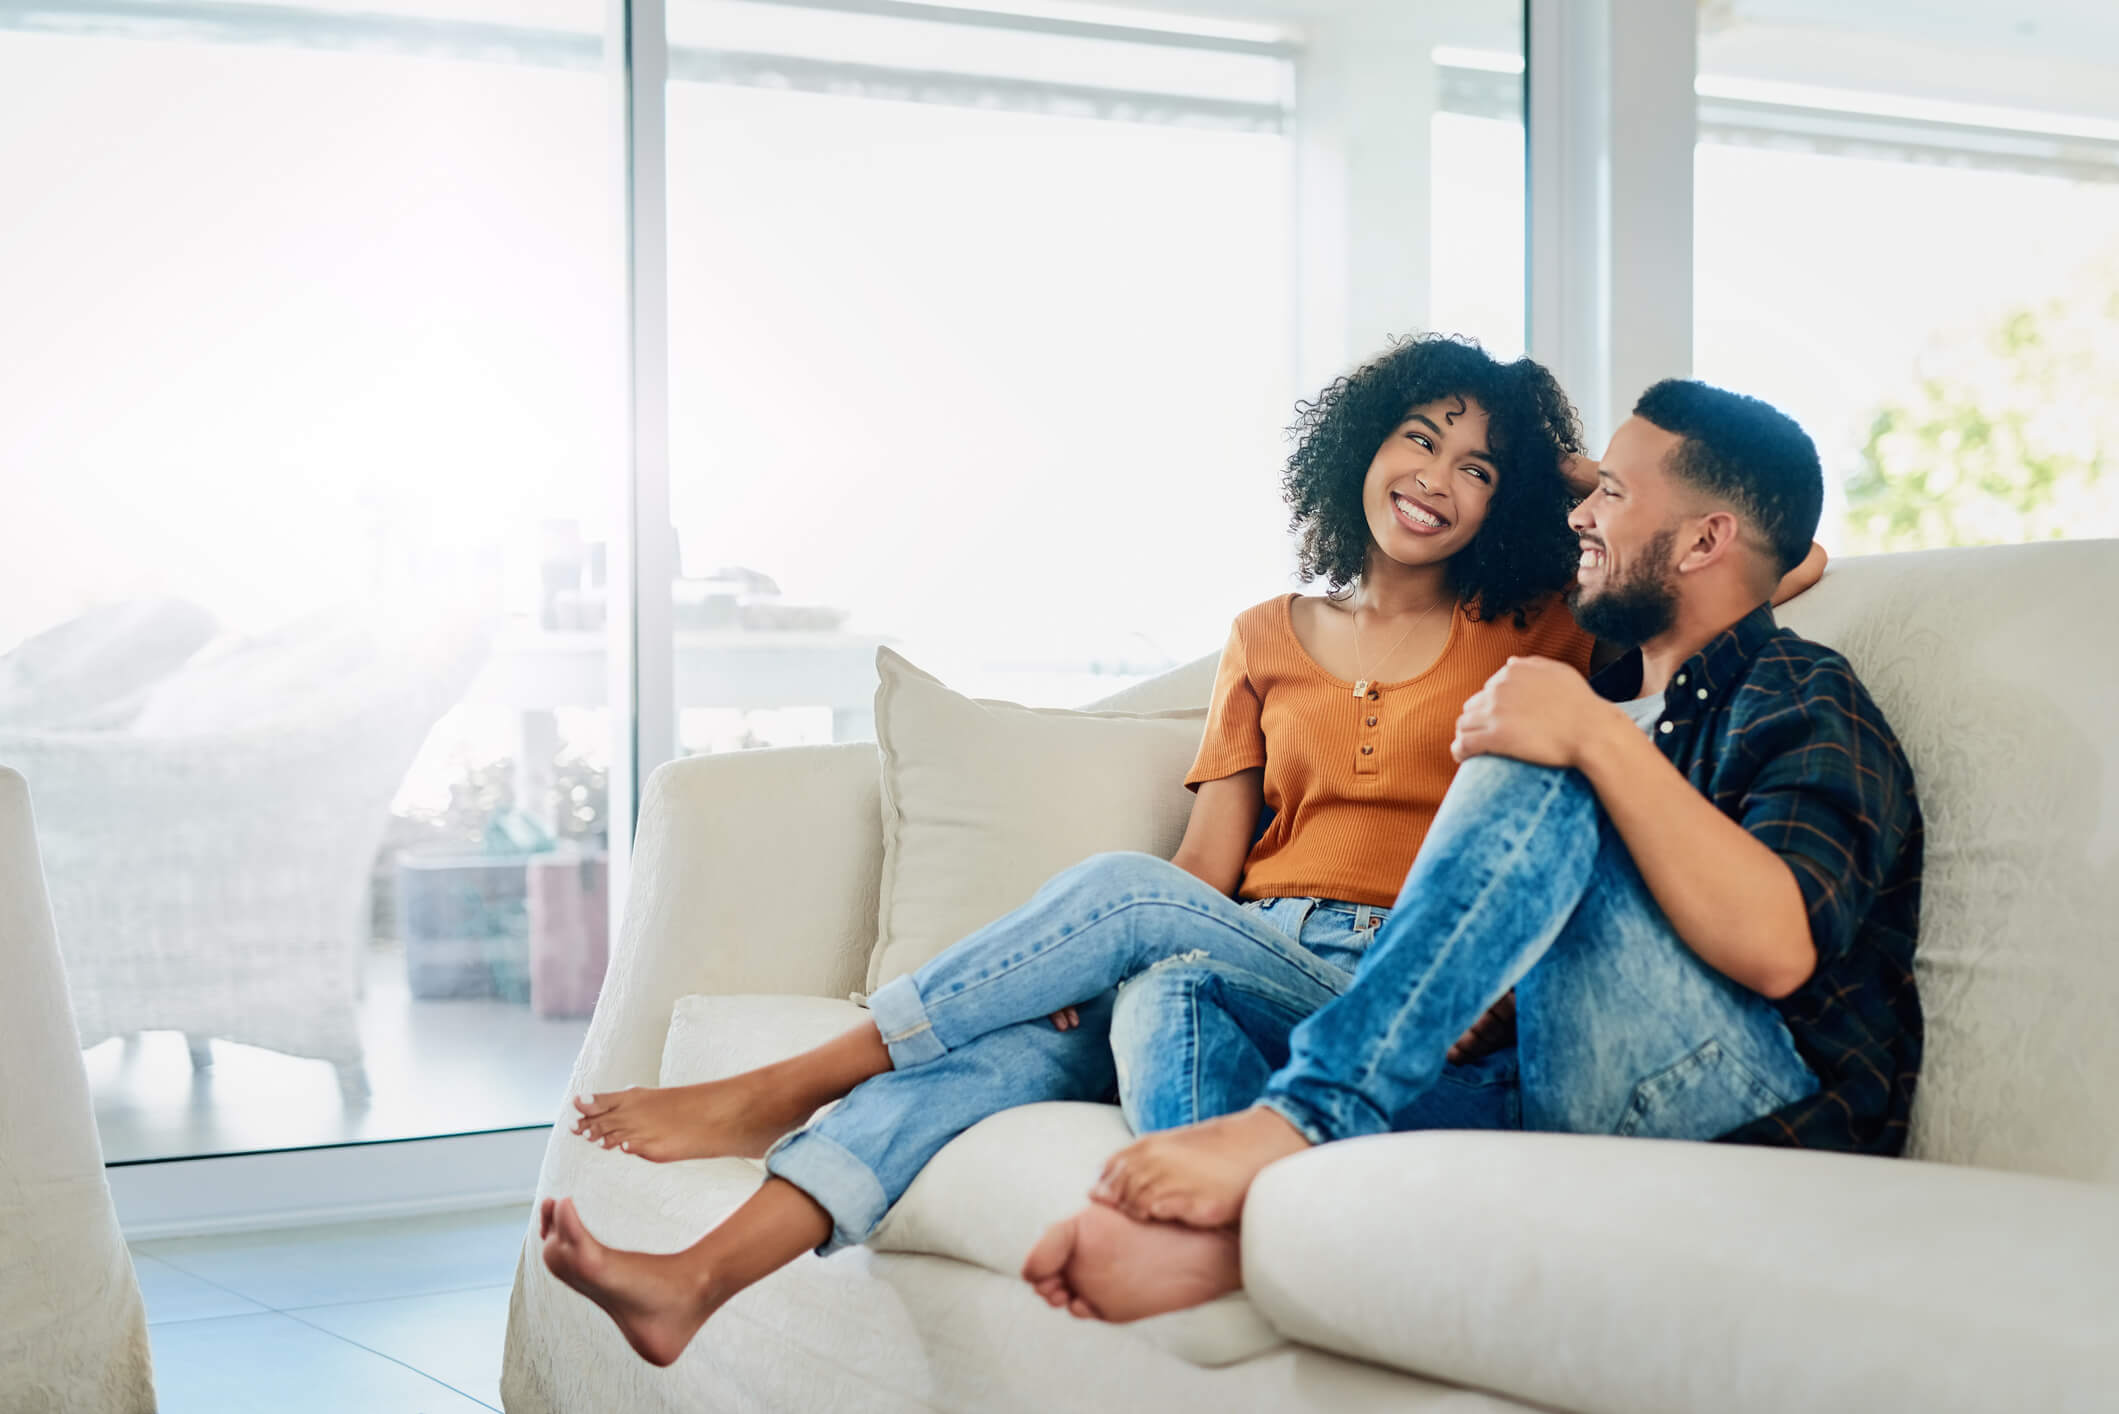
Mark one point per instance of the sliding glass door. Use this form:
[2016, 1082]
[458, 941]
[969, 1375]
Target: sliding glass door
[309, 391]
[1908, 235]
[985, 322]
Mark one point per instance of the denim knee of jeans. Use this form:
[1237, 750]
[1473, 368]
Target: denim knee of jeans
[1116, 874]
[1150, 1048]
[1484, 778]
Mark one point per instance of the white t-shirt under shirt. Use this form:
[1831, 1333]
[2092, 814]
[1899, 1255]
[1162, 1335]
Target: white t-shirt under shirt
[1645, 711]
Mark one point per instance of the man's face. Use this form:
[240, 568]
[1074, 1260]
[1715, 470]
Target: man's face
[1626, 588]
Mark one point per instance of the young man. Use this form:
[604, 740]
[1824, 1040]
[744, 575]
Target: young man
[1699, 878]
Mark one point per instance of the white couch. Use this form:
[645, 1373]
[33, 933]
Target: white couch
[1448, 1271]
[73, 1334]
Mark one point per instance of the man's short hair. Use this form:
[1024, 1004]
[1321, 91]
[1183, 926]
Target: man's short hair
[1747, 453]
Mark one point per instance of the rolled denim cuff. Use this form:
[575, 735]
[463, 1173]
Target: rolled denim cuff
[1319, 1120]
[1296, 1114]
[901, 1019]
[841, 1184]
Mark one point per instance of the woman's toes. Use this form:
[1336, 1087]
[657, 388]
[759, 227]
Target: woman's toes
[1140, 1201]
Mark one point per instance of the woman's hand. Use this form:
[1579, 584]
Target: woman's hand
[1066, 1019]
[1489, 1033]
[1809, 572]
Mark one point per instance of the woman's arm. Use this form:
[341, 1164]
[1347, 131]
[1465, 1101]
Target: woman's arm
[1809, 572]
[1218, 838]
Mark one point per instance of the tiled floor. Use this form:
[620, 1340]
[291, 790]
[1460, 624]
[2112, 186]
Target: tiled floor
[405, 1315]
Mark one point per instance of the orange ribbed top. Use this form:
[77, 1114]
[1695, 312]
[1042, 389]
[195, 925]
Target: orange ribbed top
[1348, 822]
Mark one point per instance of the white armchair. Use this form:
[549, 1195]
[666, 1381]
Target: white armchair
[209, 857]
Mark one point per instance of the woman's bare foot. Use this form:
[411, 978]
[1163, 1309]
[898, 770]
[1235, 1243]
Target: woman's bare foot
[740, 1117]
[1197, 1175]
[1103, 1265]
[657, 1299]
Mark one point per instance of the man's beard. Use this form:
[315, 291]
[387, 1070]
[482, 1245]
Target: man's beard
[1641, 606]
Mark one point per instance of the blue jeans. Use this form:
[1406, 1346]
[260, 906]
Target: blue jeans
[1199, 1037]
[969, 1034]
[1621, 1029]
[1341, 1027]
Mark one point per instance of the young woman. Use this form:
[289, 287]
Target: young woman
[1427, 492]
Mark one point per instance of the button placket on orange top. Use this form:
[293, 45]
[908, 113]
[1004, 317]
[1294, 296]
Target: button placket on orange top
[1368, 749]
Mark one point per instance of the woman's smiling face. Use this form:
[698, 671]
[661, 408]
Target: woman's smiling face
[1430, 482]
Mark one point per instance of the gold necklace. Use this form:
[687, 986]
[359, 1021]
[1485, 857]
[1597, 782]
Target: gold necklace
[1361, 684]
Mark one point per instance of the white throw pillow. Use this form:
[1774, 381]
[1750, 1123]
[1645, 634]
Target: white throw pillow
[985, 801]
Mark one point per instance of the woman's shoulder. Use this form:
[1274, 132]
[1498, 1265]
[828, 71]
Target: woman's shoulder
[1267, 619]
[1548, 630]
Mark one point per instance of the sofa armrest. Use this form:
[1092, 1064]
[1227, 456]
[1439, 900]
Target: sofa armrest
[1637, 1276]
[753, 871]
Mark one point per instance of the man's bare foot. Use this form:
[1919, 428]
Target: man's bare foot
[1197, 1175]
[657, 1300]
[740, 1117]
[1103, 1265]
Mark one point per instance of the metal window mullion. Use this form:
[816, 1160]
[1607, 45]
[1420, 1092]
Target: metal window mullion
[1612, 124]
[1655, 47]
[1565, 128]
[641, 647]
[1024, 23]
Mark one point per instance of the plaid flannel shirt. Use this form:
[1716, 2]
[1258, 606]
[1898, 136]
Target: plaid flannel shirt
[1782, 737]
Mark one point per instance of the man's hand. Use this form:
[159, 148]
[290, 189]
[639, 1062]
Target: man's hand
[1535, 710]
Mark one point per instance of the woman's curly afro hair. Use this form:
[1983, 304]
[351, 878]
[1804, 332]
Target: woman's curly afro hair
[1524, 552]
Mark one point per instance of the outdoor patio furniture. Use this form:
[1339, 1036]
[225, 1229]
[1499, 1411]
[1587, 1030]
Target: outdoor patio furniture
[209, 857]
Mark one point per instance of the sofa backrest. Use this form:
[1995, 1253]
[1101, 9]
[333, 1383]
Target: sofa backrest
[1187, 685]
[1999, 671]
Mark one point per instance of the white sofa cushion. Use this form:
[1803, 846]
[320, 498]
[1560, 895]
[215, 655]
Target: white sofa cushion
[987, 1196]
[873, 1332]
[712, 1038]
[985, 801]
[1633, 1276]
[2002, 690]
